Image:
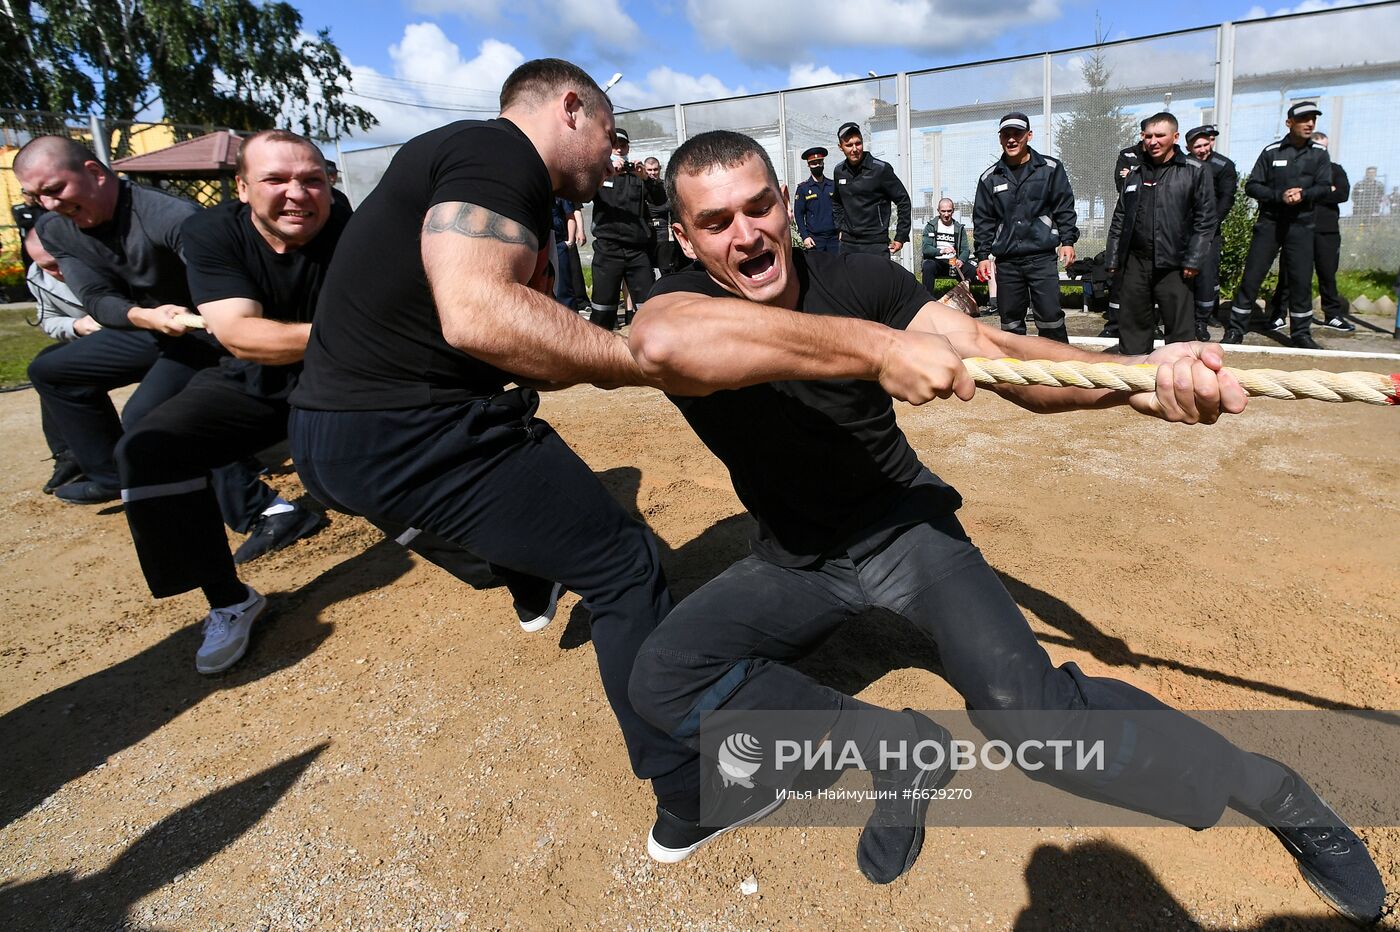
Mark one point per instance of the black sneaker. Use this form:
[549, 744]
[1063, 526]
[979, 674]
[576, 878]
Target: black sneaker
[1331, 858]
[1202, 333]
[86, 492]
[537, 617]
[1278, 323]
[1303, 341]
[672, 840]
[66, 470]
[1341, 324]
[273, 532]
[1232, 336]
[1108, 333]
[894, 834]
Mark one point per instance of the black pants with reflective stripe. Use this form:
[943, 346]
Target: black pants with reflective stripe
[1144, 289]
[488, 477]
[612, 263]
[166, 462]
[1031, 282]
[1291, 239]
[1206, 285]
[1327, 257]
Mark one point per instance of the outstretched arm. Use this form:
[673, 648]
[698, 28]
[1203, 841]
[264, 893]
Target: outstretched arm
[1190, 386]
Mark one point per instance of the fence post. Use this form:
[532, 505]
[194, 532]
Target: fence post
[1224, 83]
[905, 131]
[680, 124]
[99, 139]
[783, 139]
[1046, 71]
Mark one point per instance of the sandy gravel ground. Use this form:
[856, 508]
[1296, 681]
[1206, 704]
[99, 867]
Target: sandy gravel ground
[395, 753]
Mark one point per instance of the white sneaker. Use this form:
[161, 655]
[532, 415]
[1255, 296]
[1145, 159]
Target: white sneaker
[226, 633]
[532, 620]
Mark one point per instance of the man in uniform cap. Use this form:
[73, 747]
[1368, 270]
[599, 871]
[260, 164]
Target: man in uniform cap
[1024, 216]
[812, 208]
[865, 188]
[622, 234]
[1289, 179]
[1200, 142]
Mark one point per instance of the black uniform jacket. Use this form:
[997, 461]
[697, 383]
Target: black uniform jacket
[1013, 218]
[861, 201]
[1183, 216]
[1227, 182]
[1283, 165]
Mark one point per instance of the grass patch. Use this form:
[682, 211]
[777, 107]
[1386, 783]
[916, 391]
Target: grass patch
[19, 342]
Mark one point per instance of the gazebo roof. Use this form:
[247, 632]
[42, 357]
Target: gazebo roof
[212, 155]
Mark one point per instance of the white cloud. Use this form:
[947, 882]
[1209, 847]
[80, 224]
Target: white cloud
[1307, 6]
[558, 24]
[785, 30]
[665, 85]
[432, 84]
[809, 74]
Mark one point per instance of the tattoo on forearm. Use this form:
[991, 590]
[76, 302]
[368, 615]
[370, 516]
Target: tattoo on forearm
[478, 223]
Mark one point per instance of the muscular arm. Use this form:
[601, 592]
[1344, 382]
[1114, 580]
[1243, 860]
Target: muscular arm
[1190, 387]
[478, 264]
[690, 344]
[239, 325]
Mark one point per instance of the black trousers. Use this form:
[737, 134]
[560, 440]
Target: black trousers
[1143, 287]
[826, 242]
[1206, 285]
[728, 645]
[935, 269]
[73, 380]
[870, 249]
[1031, 282]
[612, 263]
[488, 477]
[53, 437]
[1291, 239]
[166, 461]
[1327, 257]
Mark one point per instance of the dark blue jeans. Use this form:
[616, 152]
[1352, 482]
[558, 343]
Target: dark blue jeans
[727, 647]
[493, 480]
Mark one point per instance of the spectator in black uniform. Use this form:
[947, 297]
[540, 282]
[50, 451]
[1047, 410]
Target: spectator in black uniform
[1368, 195]
[813, 208]
[402, 413]
[946, 245]
[1327, 253]
[1024, 216]
[119, 246]
[865, 187]
[1288, 179]
[1127, 158]
[622, 235]
[663, 241]
[255, 270]
[1160, 238]
[1226, 180]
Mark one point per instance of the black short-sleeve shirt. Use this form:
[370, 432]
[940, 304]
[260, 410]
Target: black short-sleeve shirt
[377, 342]
[226, 257]
[817, 463]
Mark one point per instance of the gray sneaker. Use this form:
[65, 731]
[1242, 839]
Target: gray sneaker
[226, 633]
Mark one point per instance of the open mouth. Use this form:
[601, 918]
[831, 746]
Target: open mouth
[760, 268]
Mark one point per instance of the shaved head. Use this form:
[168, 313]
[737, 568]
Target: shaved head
[58, 152]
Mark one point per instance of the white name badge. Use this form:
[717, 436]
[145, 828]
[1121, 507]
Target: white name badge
[607, 184]
[843, 180]
[1000, 187]
[1131, 187]
[1279, 163]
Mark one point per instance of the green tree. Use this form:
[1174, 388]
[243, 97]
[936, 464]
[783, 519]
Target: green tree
[1096, 127]
[234, 63]
[1235, 234]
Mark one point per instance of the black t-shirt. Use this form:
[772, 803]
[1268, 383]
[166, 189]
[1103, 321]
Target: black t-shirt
[377, 343]
[226, 257]
[817, 463]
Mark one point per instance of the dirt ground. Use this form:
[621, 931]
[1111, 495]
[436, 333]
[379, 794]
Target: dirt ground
[395, 753]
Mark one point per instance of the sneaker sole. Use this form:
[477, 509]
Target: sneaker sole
[540, 622]
[666, 855]
[1319, 887]
[207, 670]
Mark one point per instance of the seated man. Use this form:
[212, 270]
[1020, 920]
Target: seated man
[62, 317]
[255, 271]
[119, 247]
[946, 246]
[849, 519]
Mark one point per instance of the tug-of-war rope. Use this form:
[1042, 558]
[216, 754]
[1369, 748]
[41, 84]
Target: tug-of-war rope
[1370, 387]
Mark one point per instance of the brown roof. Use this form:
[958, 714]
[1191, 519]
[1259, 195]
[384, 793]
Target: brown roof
[210, 155]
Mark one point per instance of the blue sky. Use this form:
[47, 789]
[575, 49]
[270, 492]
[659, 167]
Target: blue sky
[420, 63]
